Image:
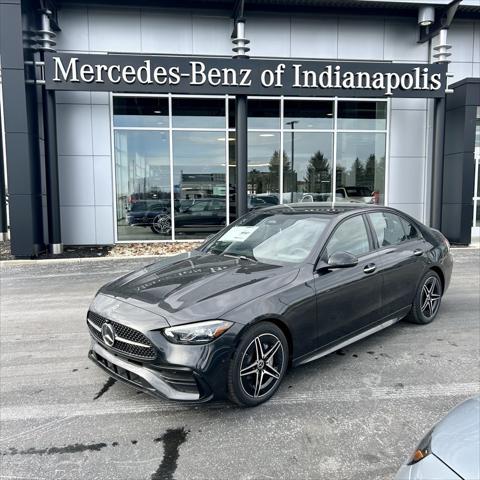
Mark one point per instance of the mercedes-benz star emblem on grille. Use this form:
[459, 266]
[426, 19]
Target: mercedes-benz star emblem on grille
[108, 334]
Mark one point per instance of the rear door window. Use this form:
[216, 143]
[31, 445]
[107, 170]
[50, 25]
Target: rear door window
[410, 229]
[388, 228]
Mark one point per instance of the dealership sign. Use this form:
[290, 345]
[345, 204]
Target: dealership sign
[215, 75]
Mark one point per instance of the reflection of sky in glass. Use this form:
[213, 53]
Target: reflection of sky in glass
[354, 145]
[198, 113]
[198, 152]
[156, 121]
[306, 145]
[142, 160]
[353, 115]
[308, 114]
[261, 148]
[263, 114]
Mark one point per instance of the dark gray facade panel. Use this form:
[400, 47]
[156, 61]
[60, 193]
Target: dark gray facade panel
[14, 100]
[457, 222]
[21, 136]
[10, 23]
[459, 165]
[456, 170]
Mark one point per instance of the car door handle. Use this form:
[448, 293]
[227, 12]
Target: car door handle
[369, 268]
[418, 252]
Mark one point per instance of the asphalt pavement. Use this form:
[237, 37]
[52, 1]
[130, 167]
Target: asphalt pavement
[354, 415]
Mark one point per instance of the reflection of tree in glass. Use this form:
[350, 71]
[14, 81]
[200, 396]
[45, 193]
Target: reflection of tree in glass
[370, 173]
[268, 182]
[318, 174]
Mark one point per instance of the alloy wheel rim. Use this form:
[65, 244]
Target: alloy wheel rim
[430, 298]
[162, 225]
[261, 365]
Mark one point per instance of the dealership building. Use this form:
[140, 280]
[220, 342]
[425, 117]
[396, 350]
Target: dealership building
[164, 120]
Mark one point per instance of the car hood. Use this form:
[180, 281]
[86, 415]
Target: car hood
[196, 286]
[456, 439]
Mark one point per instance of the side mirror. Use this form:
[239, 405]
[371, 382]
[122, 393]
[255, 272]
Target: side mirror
[342, 260]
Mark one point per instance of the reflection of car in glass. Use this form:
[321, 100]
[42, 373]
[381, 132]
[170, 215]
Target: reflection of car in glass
[201, 213]
[451, 449]
[318, 197]
[143, 212]
[360, 194]
[261, 201]
[279, 287]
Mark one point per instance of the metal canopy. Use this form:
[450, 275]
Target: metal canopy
[468, 8]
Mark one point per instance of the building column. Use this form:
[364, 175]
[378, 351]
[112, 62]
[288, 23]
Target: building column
[3, 193]
[51, 172]
[21, 135]
[241, 128]
[241, 146]
[437, 164]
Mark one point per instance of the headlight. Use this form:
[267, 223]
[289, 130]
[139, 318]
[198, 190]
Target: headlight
[422, 450]
[197, 333]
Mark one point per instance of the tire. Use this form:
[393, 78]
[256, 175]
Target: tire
[258, 365]
[427, 301]
[162, 225]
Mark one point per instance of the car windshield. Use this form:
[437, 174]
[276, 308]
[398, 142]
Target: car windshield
[273, 238]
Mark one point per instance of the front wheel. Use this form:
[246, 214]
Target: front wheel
[258, 365]
[427, 300]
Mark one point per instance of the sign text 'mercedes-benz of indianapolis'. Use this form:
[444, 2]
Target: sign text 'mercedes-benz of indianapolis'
[194, 75]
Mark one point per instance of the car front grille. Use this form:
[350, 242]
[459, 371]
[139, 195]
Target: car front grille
[128, 341]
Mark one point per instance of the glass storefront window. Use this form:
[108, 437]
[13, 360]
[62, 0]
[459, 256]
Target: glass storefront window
[308, 166]
[362, 115]
[360, 172]
[308, 114]
[263, 181]
[142, 185]
[263, 114]
[140, 112]
[199, 168]
[198, 113]
[199, 183]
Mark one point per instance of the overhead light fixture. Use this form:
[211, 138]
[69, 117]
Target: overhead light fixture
[426, 15]
[157, 111]
[329, 114]
[266, 135]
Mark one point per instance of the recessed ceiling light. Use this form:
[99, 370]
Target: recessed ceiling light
[157, 111]
[266, 135]
[329, 114]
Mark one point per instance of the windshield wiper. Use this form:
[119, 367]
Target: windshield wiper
[241, 257]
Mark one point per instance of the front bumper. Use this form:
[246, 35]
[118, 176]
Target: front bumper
[188, 373]
[152, 381]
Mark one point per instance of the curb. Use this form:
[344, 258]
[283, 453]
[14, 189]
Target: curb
[48, 261]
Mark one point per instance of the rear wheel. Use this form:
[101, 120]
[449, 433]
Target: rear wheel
[162, 225]
[427, 301]
[258, 365]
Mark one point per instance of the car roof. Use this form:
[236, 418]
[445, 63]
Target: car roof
[325, 208]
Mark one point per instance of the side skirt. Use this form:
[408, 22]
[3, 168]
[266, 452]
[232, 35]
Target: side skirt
[330, 349]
